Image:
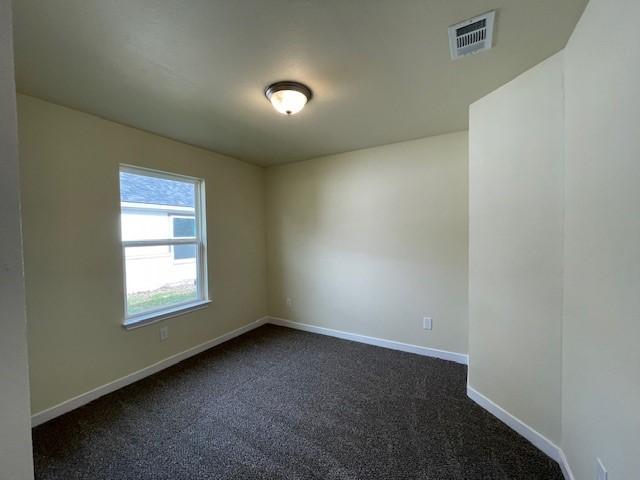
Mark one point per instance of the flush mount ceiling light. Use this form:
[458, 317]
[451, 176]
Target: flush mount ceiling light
[288, 97]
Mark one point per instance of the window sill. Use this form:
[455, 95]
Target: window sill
[153, 317]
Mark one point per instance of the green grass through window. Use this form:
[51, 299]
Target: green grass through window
[141, 302]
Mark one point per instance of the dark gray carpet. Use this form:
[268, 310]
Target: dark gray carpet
[282, 404]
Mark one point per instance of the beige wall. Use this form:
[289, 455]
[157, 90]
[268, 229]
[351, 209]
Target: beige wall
[15, 422]
[73, 262]
[515, 254]
[601, 385]
[600, 228]
[372, 241]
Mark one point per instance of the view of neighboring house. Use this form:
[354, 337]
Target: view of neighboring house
[158, 209]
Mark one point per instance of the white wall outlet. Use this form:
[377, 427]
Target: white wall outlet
[601, 471]
[427, 323]
[164, 333]
[289, 303]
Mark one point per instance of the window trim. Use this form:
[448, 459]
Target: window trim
[152, 317]
[200, 239]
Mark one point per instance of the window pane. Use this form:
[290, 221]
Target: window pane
[184, 227]
[149, 204]
[184, 252]
[155, 280]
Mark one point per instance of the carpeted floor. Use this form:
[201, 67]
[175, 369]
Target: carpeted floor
[282, 404]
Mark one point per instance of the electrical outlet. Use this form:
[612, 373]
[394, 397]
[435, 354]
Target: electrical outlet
[601, 471]
[427, 323]
[289, 303]
[164, 333]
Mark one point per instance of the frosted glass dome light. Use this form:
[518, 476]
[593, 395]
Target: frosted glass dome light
[288, 98]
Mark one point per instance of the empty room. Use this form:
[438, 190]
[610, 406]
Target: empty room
[319, 239]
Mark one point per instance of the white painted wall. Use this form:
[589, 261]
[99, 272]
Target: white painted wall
[372, 241]
[601, 384]
[515, 246]
[15, 422]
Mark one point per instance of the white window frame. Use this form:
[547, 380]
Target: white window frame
[200, 239]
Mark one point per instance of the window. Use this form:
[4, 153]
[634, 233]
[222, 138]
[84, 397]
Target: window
[163, 244]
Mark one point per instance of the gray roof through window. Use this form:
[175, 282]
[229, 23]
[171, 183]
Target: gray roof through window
[157, 191]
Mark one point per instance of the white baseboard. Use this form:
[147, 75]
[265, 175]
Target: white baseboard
[535, 437]
[566, 468]
[75, 402]
[380, 342]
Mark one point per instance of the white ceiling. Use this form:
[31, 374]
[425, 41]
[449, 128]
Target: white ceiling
[195, 70]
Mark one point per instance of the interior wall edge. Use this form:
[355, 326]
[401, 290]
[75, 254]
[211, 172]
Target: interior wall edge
[16, 460]
[516, 246]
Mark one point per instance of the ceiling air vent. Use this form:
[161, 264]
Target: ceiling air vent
[471, 36]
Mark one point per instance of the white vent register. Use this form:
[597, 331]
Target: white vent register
[472, 36]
